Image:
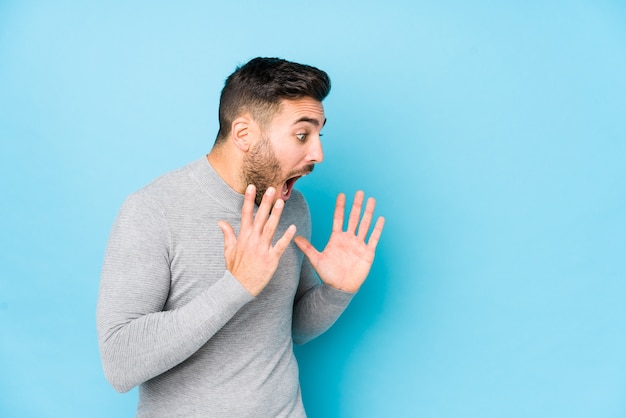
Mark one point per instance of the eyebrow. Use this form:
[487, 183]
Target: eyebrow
[310, 120]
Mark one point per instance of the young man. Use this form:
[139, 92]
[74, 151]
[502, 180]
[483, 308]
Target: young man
[205, 285]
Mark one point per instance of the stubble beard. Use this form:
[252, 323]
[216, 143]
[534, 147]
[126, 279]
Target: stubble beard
[262, 168]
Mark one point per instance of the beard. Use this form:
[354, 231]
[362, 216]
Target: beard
[262, 168]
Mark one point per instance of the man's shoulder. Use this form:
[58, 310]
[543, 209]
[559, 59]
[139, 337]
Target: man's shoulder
[168, 187]
[178, 179]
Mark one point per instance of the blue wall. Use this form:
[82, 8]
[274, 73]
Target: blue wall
[493, 136]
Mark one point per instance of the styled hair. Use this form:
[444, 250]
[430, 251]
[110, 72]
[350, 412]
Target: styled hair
[259, 86]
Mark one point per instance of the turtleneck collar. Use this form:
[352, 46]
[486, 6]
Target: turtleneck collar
[211, 182]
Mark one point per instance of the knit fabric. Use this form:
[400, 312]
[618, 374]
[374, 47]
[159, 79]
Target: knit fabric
[172, 320]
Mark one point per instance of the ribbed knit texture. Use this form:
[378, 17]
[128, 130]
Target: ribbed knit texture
[171, 319]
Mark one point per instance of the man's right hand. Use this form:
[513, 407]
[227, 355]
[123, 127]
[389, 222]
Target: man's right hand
[251, 257]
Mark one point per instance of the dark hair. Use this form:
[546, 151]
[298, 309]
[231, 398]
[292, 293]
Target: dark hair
[259, 86]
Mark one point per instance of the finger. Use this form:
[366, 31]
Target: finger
[364, 226]
[264, 209]
[309, 250]
[340, 207]
[247, 211]
[282, 244]
[272, 223]
[375, 237]
[229, 235]
[355, 212]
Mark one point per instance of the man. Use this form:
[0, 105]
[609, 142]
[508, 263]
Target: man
[203, 291]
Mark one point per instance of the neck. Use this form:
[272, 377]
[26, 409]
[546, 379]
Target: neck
[228, 165]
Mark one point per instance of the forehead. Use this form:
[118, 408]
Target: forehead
[303, 110]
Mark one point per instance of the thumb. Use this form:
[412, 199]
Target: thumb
[305, 246]
[229, 235]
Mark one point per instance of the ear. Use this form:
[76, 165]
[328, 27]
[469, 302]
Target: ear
[243, 132]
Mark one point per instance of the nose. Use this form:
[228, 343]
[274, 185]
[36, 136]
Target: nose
[315, 151]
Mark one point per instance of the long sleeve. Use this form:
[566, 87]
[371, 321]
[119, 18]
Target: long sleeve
[173, 321]
[316, 306]
[138, 339]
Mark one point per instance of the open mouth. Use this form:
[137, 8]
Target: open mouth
[288, 187]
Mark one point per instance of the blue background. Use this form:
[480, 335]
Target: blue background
[493, 136]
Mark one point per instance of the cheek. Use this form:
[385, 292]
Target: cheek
[290, 158]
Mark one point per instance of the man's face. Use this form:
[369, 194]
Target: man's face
[287, 149]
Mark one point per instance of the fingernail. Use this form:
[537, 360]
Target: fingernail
[249, 188]
[270, 190]
[279, 204]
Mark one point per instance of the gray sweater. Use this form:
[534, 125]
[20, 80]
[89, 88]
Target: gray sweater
[171, 319]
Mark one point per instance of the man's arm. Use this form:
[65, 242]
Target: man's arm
[343, 266]
[317, 306]
[138, 340]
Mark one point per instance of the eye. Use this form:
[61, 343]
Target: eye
[301, 137]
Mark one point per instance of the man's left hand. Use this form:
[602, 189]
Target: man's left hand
[346, 261]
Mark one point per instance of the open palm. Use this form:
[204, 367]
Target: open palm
[347, 258]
